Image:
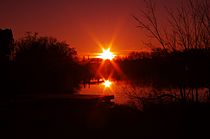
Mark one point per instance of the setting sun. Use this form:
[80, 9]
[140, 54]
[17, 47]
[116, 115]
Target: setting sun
[106, 54]
[107, 83]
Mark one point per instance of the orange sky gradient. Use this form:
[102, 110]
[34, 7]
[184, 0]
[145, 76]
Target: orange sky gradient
[81, 23]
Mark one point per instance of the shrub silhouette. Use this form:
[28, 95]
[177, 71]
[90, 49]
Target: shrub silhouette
[45, 65]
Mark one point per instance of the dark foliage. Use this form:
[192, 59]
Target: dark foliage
[39, 65]
[45, 65]
[189, 67]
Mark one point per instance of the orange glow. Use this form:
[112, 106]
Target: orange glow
[107, 83]
[106, 55]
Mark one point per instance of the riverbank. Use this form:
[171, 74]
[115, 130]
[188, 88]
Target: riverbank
[61, 119]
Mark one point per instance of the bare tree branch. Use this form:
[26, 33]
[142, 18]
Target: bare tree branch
[189, 25]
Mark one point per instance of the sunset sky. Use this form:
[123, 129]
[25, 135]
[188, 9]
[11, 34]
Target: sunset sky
[81, 23]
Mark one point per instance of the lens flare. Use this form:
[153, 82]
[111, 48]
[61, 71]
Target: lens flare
[107, 54]
[107, 83]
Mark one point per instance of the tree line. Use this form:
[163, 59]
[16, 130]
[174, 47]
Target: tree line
[36, 64]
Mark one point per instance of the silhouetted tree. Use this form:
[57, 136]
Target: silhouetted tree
[45, 65]
[184, 41]
[188, 26]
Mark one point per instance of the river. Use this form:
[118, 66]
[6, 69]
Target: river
[133, 93]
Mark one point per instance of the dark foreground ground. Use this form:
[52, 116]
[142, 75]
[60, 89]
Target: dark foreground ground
[63, 118]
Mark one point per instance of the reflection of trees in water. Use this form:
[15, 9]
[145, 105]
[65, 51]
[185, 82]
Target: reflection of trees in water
[95, 70]
[141, 97]
[181, 59]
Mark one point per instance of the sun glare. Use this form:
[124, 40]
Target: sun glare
[107, 83]
[107, 55]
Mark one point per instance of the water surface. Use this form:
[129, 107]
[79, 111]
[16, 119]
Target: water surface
[130, 92]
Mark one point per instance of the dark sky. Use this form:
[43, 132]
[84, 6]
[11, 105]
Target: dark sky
[81, 23]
